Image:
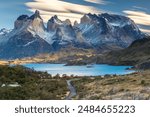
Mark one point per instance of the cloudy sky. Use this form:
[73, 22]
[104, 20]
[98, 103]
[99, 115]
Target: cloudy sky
[138, 10]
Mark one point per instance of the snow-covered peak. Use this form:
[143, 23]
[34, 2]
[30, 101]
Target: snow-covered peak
[4, 31]
[111, 20]
[116, 20]
[4, 35]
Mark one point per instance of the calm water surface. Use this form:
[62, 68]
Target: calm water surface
[94, 70]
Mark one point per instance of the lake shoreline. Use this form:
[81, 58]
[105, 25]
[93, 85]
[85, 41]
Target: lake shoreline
[91, 70]
[21, 62]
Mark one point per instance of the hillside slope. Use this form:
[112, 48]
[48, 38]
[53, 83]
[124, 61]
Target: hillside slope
[137, 54]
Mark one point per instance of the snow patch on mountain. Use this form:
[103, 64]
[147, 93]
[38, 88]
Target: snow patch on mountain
[48, 37]
[4, 31]
[29, 43]
[85, 27]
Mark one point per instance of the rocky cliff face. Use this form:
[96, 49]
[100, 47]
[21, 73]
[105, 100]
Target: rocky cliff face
[53, 24]
[33, 24]
[99, 32]
[63, 34]
[109, 30]
[26, 39]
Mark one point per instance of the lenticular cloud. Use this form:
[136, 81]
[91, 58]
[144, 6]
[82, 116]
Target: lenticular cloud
[65, 10]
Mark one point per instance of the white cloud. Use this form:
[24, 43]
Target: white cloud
[64, 10]
[67, 10]
[140, 8]
[145, 30]
[46, 15]
[96, 1]
[140, 18]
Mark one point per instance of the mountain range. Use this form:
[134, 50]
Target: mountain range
[102, 33]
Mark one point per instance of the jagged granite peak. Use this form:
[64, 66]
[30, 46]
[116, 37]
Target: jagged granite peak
[88, 18]
[67, 22]
[35, 15]
[53, 23]
[36, 24]
[55, 19]
[76, 23]
[85, 19]
[33, 24]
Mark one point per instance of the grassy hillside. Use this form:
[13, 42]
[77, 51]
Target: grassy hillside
[22, 83]
[129, 87]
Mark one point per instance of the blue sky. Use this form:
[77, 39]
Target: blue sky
[138, 10]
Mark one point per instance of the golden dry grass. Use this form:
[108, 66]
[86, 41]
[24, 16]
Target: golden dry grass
[131, 87]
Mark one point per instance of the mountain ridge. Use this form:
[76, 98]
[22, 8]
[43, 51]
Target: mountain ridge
[103, 32]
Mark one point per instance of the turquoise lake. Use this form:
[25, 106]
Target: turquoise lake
[94, 70]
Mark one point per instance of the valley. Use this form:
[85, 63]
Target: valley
[137, 55]
[98, 39]
[22, 82]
